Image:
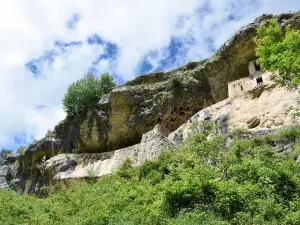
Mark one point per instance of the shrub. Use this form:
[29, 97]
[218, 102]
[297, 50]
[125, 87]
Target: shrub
[125, 171]
[278, 51]
[246, 183]
[176, 85]
[91, 177]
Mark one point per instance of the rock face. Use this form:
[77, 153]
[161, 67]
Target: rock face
[169, 99]
[70, 166]
[271, 109]
[121, 124]
[9, 168]
[31, 160]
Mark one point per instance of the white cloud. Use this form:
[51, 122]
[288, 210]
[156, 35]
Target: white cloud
[28, 28]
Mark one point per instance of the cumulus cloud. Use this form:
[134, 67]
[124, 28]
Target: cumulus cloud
[46, 45]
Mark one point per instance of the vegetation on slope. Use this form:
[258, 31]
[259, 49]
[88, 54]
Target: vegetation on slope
[204, 181]
[201, 182]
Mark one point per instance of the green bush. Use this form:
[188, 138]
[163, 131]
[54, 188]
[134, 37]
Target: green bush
[85, 92]
[279, 51]
[201, 182]
[176, 85]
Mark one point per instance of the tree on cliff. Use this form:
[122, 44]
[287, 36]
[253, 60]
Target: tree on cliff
[85, 92]
[278, 50]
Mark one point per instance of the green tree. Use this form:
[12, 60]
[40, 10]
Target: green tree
[278, 50]
[85, 92]
[107, 83]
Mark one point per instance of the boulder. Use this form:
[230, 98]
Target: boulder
[253, 122]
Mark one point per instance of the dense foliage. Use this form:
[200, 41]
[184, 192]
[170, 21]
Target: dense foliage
[202, 182]
[85, 92]
[279, 51]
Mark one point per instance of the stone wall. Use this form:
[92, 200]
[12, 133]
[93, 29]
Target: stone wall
[239, 86]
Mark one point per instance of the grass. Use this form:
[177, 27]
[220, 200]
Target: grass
[200, 182]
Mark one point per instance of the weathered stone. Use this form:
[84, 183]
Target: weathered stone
[3, 173]
[272, 103]
[48, 147]
[253, 122]
[66, 166]
[9, 168]
[3, 183]
[158, 132]
[278, 121]
[248, 134]
[283, 148]
[167, 98]
[22, 150]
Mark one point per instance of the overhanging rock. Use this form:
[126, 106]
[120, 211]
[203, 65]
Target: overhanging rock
[71, 166]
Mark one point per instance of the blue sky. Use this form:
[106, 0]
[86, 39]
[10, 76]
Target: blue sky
[46, 45]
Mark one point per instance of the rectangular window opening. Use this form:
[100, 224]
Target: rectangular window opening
[259, 81]
[257, 67]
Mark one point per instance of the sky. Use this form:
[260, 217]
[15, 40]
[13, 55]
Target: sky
[46, 45]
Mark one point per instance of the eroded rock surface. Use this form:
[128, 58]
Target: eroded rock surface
[271, 109]
[167, 98]
[70, 166]
[9, 168]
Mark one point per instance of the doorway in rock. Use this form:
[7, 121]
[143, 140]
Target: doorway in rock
[257, 66]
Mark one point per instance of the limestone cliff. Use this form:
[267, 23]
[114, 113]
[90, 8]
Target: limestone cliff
[260, 109]
[170, 99]
[114, 127]
[264, 107]
[120, 119]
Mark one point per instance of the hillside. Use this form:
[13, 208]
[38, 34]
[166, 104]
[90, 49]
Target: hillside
[120, 119]
[211, 142]
[240, 178]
